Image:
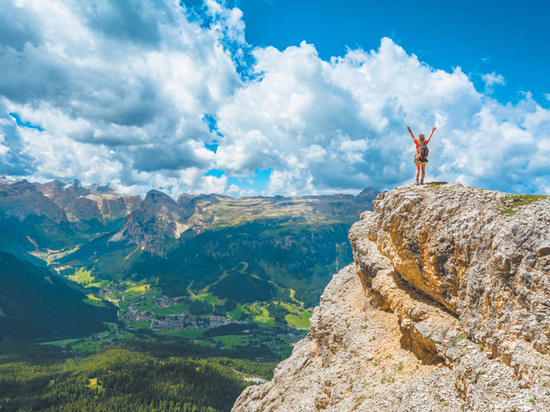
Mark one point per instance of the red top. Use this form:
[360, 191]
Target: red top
[417, 142]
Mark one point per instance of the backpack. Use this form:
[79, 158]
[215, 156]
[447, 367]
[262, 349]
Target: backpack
[423, 151]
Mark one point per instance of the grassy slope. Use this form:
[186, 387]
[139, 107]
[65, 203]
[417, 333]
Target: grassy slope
[258, 261]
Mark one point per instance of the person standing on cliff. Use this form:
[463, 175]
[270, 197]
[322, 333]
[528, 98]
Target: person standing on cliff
[421, 156]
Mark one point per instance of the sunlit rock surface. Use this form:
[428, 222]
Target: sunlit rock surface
[444, 309]
[89, 202]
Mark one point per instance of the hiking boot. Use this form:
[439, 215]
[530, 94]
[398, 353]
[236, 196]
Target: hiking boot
[417, 181]
[422, 182]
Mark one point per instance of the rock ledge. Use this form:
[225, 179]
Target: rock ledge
[445, 308]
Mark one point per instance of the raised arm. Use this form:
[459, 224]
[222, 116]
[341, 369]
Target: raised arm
[431, 134]
[410, 131]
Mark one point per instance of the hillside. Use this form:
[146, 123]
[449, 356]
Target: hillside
[445, 308]
[244, 250]
[237, 274]
[37, 304]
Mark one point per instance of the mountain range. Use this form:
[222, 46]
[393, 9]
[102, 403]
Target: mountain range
[56, 215]
[233, 251]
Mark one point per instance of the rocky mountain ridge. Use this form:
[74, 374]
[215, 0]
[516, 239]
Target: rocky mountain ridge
[96, 201]
[445, 308]
[40, 218]
[62, 201]
[21, 199]
[160, 222]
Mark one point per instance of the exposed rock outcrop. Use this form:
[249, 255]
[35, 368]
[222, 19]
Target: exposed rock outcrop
[444, 309]
[55, 215]
[89, 202]
[21, 199]
[159, 219]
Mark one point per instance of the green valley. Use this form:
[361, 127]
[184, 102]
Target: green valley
[157, 304]
[203, 319]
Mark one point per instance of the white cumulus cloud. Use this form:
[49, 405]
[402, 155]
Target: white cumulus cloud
[129, 93]
[340, 125]
[490, 80]
[134, 77]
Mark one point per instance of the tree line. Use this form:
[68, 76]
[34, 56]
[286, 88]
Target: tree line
[43, 378]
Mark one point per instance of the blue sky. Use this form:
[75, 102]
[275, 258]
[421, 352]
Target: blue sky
[507, 37]
[274, 97]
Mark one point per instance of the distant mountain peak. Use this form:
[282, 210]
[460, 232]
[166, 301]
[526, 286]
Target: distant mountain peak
[159, 219]
[158, 196]
[369, 192]
[22, 199]
[89, 202]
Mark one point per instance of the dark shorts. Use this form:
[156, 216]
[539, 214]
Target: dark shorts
[421, 161]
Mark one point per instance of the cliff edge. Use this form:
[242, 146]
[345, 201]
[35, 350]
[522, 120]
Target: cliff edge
[445, 308]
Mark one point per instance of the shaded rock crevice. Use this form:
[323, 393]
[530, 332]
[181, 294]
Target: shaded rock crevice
[480, 263]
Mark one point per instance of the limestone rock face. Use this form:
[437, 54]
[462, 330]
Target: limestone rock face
[114, 205]
[83, 208]
[21, 200]
[90, 202]
[158, 218]
[444, 309]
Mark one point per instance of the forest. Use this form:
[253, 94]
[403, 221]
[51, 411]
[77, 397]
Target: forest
[125, 378]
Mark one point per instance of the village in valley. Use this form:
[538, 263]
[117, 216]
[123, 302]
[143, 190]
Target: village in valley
[144, 312]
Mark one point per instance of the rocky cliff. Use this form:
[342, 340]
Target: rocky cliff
[52, 216]
[158, 220]
[88, 202]
[445, 308]
[21, 199]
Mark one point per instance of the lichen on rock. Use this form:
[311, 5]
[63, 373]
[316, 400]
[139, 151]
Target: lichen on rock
[445, 308]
